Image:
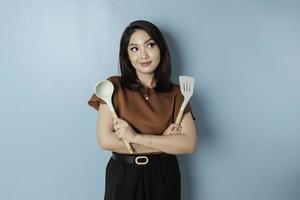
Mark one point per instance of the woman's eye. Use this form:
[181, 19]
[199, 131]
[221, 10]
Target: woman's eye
[151, 44]
[133, 49]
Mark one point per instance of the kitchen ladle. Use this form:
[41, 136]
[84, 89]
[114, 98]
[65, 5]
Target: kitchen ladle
[104, 90]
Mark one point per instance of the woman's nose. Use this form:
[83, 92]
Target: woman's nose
[144, 54]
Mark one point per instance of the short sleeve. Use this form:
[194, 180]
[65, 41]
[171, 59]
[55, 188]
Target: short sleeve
[95, 101]
[188, 109]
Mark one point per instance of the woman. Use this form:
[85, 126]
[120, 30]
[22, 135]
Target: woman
[147, 103]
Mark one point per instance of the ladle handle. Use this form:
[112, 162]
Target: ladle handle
[128, 146]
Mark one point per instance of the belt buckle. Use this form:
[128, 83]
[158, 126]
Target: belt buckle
[141, 157]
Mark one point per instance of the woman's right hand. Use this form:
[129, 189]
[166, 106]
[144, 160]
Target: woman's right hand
[172, 129]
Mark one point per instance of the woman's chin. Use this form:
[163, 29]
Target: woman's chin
[146, 70]
[143, 71]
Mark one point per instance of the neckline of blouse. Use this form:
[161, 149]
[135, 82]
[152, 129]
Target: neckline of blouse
[148, 89]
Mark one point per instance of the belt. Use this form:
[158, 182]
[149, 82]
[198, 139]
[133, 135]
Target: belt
[139, 159]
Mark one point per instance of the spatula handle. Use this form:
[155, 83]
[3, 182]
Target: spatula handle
[128, 146]
[179, 117]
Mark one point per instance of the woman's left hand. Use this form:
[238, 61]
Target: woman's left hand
[124, 130]
[172, 129]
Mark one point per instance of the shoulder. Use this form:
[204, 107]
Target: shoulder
[115, 80]
[176, 89]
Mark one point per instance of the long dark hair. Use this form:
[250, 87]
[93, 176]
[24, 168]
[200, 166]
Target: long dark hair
[162, 73]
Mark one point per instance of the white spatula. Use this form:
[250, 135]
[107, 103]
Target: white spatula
[104, 90]
[187, 89]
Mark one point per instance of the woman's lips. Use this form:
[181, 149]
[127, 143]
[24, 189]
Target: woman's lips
[145, 64]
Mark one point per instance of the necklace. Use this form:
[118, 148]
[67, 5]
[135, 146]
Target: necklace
[146, 97]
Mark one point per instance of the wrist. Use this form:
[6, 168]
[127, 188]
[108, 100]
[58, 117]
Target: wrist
[136, 138]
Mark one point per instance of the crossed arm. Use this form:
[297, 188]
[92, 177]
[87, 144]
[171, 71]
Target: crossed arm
[110, 133]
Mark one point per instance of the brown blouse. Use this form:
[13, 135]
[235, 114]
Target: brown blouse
[150, 114]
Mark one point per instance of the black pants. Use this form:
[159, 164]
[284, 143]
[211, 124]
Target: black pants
[159, 179]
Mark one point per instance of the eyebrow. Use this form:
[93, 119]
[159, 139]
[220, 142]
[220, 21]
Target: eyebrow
[144, 42]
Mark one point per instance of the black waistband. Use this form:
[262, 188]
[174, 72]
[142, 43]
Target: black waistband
[139, 159]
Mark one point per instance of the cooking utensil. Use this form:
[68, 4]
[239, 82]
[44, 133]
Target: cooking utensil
[187, 89]
[104, 90]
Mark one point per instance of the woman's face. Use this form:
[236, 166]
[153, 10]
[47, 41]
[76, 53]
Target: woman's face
[143, 52]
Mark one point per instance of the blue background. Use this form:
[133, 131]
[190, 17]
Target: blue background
[243, 54]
